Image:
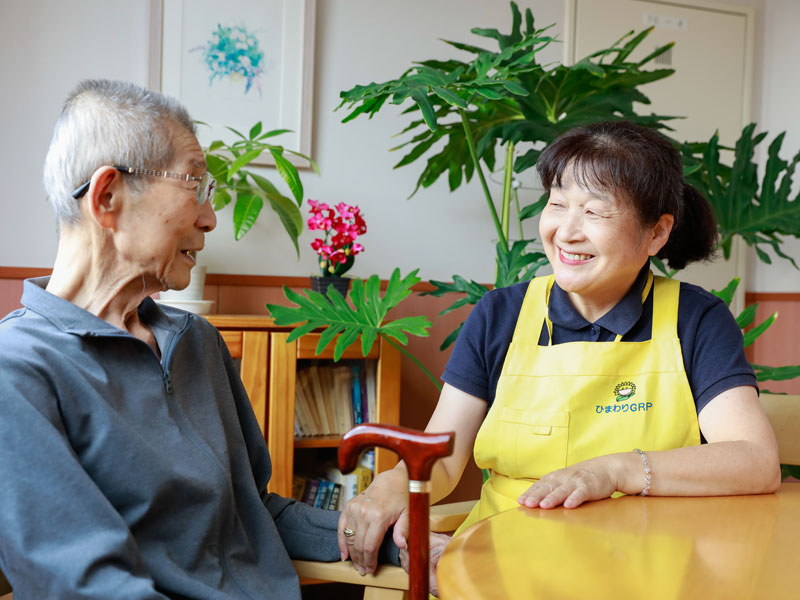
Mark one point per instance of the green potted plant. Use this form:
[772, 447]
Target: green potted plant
[505, 97]
[247, 189]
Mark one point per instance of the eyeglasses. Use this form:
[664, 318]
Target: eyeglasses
[206, 186]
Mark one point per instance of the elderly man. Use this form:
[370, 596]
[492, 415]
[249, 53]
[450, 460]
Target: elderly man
[131, 463]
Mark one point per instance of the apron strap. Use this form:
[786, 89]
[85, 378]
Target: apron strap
[534, 309]
[665, 308]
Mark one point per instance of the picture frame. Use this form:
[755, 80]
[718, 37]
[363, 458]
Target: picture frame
[235, 63]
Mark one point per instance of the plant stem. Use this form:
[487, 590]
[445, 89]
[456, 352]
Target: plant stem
[509, 171]
[474, 154]
[519, 222]
[415, 360]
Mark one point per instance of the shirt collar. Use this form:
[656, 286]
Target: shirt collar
[619, 319]
[71, 318]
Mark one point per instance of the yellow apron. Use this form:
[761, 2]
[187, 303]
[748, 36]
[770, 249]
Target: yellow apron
[559, 405]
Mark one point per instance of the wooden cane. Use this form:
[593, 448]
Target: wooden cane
[419, 451]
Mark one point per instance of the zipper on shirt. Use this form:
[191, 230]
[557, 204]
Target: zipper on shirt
[167, 381]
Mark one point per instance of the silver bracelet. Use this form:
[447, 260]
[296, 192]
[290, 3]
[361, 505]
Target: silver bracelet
[646, 465]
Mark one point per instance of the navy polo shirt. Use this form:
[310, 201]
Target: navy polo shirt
[711, 341]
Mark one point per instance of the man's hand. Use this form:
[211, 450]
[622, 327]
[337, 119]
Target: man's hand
[438, 543]
[368, 516]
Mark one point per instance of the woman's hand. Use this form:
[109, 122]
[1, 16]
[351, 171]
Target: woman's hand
[370, 514]
[438, 543]
[593, 479]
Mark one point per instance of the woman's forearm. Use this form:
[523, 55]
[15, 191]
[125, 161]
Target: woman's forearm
[721, 468]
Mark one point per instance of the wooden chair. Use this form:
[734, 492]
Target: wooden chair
[388, 582]
[783, 412]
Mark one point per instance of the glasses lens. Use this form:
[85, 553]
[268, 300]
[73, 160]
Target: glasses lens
[205, 189]
[212, 187]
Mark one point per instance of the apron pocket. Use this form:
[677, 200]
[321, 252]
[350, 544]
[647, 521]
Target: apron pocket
[533, 443]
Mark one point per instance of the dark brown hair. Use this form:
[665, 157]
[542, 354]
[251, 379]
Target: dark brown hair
[642, 167]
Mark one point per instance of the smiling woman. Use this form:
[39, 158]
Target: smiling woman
[600, 378]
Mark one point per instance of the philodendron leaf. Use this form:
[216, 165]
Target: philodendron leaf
[364, 318]
[726, 295]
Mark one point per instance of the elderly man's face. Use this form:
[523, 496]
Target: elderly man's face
[165, 227]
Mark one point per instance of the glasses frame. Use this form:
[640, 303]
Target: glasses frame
[206, 185]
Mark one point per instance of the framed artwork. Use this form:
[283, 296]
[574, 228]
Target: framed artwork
[237, 62]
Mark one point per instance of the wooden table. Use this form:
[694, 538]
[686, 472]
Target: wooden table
[633, 547]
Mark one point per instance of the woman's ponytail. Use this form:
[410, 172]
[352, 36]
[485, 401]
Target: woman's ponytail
[695, 233]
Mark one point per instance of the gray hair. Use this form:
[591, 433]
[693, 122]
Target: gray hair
[109, 123]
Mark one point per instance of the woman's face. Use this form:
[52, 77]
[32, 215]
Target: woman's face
[596, 245]
[165, 227]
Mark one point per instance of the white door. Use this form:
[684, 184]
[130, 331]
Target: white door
[710, 87]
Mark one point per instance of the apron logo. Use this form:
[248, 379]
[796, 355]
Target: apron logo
[625, 390]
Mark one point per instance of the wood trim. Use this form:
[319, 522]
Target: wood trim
[256, 280]
[233, 339]
[751, 297]
[280, 416]
[23, 272]
[242, 322]
[213, 279]
[288, 281]
[255, 350]
[318, 441]
[307, 345]
[388, 395]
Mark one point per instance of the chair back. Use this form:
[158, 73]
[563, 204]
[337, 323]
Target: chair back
[419, 451]
[783, 412]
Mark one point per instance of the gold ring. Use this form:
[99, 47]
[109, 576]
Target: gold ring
[348, 532]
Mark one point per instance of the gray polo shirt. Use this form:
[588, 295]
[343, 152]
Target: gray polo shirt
[126, 476]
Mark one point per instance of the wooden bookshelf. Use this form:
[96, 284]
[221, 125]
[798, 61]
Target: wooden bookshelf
[268, 371]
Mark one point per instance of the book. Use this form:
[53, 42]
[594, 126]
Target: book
[333, 500]
[364, 406]
[358, 416]
[298, 487]
[317, 398]
[302, 409]
[310, 494]
[323, 491]
[326, 386]
[367, 459]
[303, 382]
[363, 478]
[341, 396]
[349, 488]
[371, 376]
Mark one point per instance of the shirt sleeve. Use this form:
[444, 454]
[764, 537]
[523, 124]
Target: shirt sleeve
[61, 538]
[466, 369]
[480, 350]
[715, 359]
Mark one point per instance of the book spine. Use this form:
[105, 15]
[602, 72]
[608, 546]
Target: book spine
[323, 492]
[333, 502]
[368, 418]
[310, 495]
[358, 416]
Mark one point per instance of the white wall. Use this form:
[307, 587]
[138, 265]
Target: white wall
[49, 45]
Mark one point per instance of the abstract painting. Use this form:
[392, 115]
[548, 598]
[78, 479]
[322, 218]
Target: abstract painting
[239, 62]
